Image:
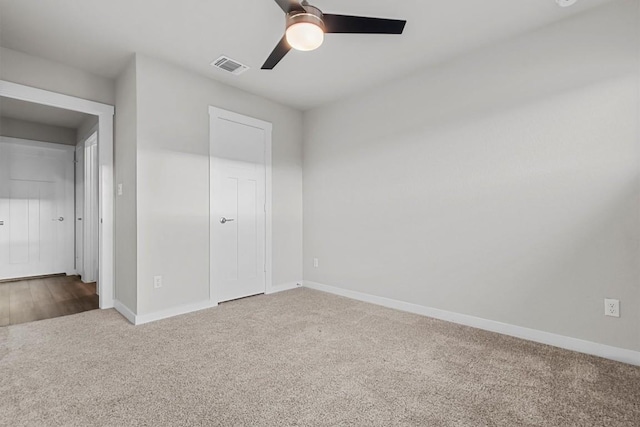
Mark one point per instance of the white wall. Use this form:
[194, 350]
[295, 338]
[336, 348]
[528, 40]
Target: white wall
[15, 128]
[18, 67]
[126, 254]
[503, 184]
[173, 182]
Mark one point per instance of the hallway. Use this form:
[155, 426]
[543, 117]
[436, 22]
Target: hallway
[44, 298]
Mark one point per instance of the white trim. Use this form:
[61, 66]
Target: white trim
[568, 343]
[268, 168]
[284, 287]
[174, 311]
[268, 129]
[36, 144]
[53, 99]
[106, 269]
[90, 212]
[105, 154]
[79, 209]
[125, 311]
[82, 138]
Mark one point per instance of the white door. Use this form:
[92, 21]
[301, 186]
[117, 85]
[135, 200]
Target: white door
[79, 208]
[238, 205]
[36, 208]
[90, 220]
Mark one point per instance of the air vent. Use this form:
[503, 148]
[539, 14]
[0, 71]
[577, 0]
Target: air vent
[230, 65]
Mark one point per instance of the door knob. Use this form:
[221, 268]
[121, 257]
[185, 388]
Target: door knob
[224, 220]
[61, 219]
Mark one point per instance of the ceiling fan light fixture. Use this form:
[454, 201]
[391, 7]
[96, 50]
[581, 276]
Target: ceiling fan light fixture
[306, 25]
[305, 29]
[305, 36]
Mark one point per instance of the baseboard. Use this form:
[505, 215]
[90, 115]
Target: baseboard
[125, 311]
[568, 343]
[174, 311]
[284, 287]
[184, 309]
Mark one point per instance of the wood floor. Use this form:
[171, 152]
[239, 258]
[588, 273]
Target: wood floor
[44, 298]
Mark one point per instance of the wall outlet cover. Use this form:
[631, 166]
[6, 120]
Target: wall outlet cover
[157, 282]
[315, 262]
[612, 307]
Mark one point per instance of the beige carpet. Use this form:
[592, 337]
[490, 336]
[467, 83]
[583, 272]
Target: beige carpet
[299, 358]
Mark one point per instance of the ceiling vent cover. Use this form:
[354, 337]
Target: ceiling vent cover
[230, 65]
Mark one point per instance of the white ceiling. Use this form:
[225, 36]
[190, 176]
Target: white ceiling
[100, 36]
[38, 113]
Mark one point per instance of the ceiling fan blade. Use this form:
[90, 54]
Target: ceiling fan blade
[362, 25]
[290, 5]
[278, 53]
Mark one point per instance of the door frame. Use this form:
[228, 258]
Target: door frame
[105, 157]
[215, 112]
[79, 207]
[90, 216]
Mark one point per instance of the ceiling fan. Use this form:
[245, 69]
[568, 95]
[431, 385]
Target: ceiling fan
[306, 26]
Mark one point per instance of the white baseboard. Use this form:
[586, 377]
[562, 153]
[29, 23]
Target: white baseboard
[187, 308]
[159, 315]
[568, 343]
[174, 311]
[125, 311]
[284, 287]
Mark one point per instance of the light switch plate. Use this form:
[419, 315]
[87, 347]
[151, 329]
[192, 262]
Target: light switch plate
[157, 282]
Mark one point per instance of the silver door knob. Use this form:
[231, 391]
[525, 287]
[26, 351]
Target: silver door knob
[224, 220]
[61, 219]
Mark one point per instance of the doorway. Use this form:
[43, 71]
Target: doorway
[240, 205]
[104, 172]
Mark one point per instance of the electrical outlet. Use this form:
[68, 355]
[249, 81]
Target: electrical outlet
[157, 282]
[315, 262]
[612, 307]
[119, 189]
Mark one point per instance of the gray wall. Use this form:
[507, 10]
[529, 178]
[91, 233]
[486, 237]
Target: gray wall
[86, 128]
[502, 184]
[125, 173]
[173, 182]
[37, 131]
[37, 72]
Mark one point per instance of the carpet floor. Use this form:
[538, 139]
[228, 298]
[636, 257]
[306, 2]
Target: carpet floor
[302, 358]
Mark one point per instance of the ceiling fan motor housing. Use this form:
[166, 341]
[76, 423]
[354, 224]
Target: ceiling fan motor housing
[311, 15]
